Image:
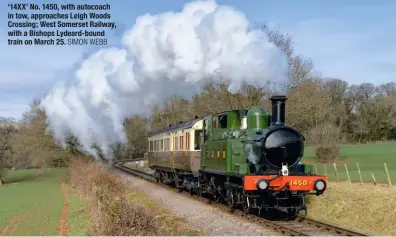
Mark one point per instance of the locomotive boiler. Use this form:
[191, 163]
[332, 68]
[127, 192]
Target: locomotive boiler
[245, 158]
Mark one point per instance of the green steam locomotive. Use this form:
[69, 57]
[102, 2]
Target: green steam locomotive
[245, 158]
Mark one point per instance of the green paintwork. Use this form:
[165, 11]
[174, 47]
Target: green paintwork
[221, 150]
[224, 136]
[257, 118]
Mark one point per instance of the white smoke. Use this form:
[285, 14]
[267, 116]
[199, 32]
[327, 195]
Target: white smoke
[162, 55]
[252, 155]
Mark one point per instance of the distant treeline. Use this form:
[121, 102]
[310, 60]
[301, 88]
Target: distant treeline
[325, 110]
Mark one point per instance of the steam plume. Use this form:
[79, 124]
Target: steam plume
[162, 55]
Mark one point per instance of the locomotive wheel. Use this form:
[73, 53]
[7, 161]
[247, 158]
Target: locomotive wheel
[245, 207]
[230, 198]
[160, 178]
[219, 194]
[291, 215]
[245, 204]
[217, 198]
[199, 191]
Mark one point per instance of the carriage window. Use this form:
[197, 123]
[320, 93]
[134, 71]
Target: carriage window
[176, 143]
[164, 144]
[187, 141]
[197, 134]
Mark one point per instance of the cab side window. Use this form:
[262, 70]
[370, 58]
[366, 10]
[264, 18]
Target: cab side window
[220, 121]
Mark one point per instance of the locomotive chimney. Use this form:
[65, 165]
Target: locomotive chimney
[278, 104]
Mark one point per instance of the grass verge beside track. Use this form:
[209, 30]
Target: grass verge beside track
[360, 206]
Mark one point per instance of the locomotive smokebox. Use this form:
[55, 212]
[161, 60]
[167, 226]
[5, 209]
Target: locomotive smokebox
[278, 104]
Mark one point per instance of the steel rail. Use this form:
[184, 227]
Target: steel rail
[301, 226]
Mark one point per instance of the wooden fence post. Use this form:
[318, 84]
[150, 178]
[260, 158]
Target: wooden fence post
[336, 172]
[360, 173]
[325, 169]
[387, 175]
[374, 180]
[346, 169]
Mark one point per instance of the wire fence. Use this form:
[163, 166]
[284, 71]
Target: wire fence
[353, 173]
[375, 173]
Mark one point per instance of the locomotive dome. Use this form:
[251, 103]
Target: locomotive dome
[257, 118]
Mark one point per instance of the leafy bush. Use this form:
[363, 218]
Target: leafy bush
[327, 154]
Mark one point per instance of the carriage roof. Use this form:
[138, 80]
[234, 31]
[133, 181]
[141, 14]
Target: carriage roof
[183, 125]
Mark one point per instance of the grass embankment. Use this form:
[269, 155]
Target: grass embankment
[363, 207]
[115, 209]
[88, 201]
[371, 159]
[32, 202]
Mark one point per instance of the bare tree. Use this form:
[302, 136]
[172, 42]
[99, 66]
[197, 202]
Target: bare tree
[388, 89]
[7, 131]
[300, 68]
[36, 145]
[136, 130]
[367, 90]
[309, 105]
[337, 89]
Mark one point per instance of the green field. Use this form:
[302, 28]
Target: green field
[31, 203]
[371, 159]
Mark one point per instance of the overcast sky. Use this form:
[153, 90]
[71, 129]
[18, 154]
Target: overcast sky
[352, 40]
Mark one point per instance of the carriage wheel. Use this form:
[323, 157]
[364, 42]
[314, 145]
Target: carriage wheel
[157, 176]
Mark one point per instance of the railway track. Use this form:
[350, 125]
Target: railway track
[301, 226]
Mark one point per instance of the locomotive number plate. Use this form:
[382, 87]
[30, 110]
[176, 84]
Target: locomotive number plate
[298, 182]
